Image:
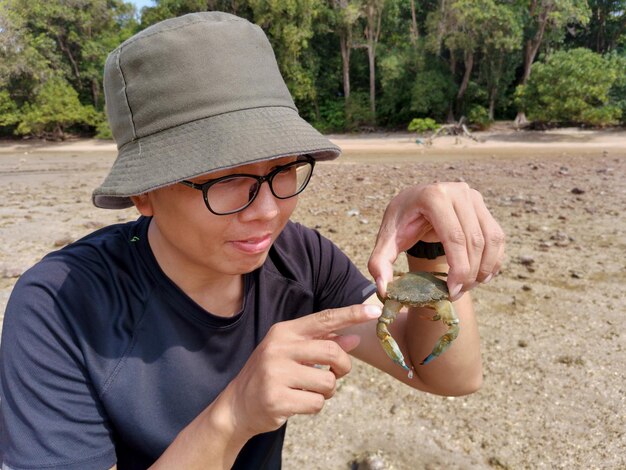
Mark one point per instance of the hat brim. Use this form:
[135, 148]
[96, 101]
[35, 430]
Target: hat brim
[206, 145]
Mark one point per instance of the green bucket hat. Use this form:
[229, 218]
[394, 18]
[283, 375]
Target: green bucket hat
[195, 94]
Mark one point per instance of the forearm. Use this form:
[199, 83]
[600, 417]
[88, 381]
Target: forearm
[458, 371]
[210, 440]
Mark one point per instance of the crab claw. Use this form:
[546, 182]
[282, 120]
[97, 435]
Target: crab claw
[391, 348]
[445, 312]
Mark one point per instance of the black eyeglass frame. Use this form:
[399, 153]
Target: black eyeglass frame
[204, 187]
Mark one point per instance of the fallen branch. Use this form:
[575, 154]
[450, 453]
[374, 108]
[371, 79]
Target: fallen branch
[455, 129]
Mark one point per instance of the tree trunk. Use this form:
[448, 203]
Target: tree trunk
[414, 30]
[372, 33]
[344, 31]
[469, 65]
[450, 117]
[57, 132]
[371, 55]
[95, 92]
[492, 102]
[70, 57]
[345, 46]
[493, 88]
[530, 52]
[316, 108]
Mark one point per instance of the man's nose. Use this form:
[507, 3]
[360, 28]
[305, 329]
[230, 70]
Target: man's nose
[264, 206]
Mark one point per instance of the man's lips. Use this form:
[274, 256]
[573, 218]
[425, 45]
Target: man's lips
[253, 244]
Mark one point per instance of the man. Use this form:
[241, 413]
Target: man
[187, 339]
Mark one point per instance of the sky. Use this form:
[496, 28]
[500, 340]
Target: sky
[139, 4]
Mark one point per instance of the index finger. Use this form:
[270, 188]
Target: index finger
[325, 322]
[380, 264]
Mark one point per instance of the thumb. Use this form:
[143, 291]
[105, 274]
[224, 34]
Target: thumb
[347, 342]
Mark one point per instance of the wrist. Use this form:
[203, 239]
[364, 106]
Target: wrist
[427, 261]
[219, 417]
[425, 250]
[210, 437]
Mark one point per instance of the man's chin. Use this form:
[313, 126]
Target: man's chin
[252, 263]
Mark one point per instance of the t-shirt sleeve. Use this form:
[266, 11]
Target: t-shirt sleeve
[50, 414]
[337, 281]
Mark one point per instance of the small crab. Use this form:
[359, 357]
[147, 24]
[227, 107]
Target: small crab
[417, 289]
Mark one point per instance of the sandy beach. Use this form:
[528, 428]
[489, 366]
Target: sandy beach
[499, 138]
[552, 323]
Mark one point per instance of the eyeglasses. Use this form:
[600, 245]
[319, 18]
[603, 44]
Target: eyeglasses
[233, 193]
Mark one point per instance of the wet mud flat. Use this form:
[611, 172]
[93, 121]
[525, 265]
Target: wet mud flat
[552, 323]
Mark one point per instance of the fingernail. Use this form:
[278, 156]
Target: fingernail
[487, 279]
[372, 311]
[454, 292]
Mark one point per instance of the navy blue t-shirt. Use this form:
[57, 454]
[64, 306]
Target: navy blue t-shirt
[104, 359]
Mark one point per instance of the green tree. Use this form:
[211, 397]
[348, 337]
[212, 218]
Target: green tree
[164, 9]
[606, 28]
[467, 28]
[571, 87]
[617, 94]
[400, 59]
[72, 37]
[55, 108]
[500, 53]
[547, 19]
[42, 42]
[9, 112]
[289, 26]
[433, 91]
[24, 57]
[373, 13]
[346, 14]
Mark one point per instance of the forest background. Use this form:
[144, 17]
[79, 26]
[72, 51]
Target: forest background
[351, 65]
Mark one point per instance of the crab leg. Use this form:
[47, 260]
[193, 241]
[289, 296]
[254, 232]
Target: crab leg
[390, 310]
[445, 313]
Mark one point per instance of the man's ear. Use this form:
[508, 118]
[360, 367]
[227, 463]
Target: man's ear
[143, 204]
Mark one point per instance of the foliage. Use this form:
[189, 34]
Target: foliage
[289, 25]
[432, 93]
[51, 44]
[55, 108]
[422, 125]
[9, 113]
[617, 94]
[605, 30]
[397, 71]
[103, 130]
[358, 106]
[349, 64]
[571, 87]
[332, 116]
[466, 28]
[164, 9]
[478, 116]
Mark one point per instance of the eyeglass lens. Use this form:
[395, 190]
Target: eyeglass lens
[235, 192]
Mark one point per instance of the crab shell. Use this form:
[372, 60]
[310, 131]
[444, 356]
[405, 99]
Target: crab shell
[417, 289]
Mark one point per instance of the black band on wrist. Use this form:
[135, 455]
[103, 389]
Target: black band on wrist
[426, 250]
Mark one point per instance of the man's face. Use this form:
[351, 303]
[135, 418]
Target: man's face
[186, 236]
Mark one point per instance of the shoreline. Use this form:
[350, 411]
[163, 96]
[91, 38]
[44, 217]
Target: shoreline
[488, 142]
